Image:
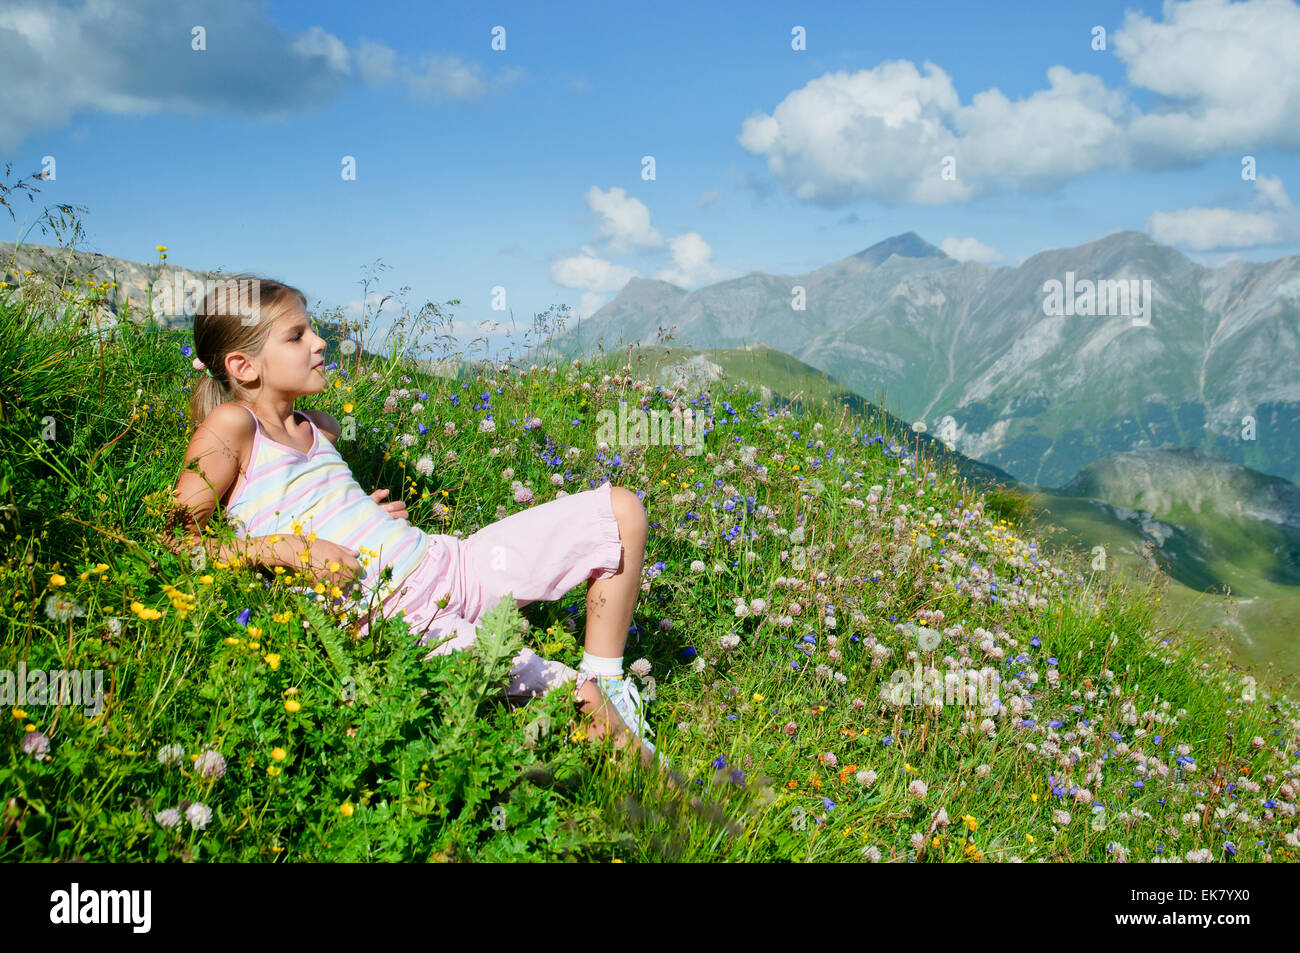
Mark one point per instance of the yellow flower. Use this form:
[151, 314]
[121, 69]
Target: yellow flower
[231, 640]
[347, 408]
[970, 821]
[160, 248]
[1030, 838]
[346, 809]
[254, 632]
[290, 691]
[56, 580]
[273, 660]
[291, 705]
[206, 580]
[758, 697]
[935, 842]
[254, 646]
[272, 770]
[1034, 798]
[19, 714]
[29, 727]
[278, 754]
[579, 735]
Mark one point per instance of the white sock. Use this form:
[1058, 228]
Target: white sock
[597, 665]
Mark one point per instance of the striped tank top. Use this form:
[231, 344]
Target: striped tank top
[289, 492]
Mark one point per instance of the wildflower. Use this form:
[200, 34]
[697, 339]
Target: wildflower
[927, 639]
[199, 815]
[56, 580]
[758, 698]
[829, 759]
[790, 728]
[273, 660]
[917, 788]
[346, 809]
[1061, 817]
[871, 854]
[63, 608]
[277, 754]
[169, 817]
[640, 668]
[697, 566]
[210, 764]
[36, 745]
[292, 705]
[729, 642]
[171, 755]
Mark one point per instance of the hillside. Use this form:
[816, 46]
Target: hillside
[853, 658]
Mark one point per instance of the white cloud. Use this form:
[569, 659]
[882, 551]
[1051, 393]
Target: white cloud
[1226, 74]
[970, 249]
[591, 272]
[623, 220]
[692, 263]
[134, 58]
[1271, 220]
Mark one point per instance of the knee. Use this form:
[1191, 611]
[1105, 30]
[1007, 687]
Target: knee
[629, 512]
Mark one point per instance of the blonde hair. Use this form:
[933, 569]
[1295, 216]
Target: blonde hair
[228, 321]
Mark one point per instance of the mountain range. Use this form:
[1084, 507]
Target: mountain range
[1040, 395]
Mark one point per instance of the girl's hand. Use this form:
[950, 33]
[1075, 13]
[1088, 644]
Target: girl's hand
[395, 508]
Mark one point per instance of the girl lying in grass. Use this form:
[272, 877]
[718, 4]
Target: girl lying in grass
[294, 503]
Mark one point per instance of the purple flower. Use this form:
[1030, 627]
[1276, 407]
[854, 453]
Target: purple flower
[1035, 641]
[688, 653]
[242, 618]
[1231, 848]
[828, 804]
[720, 762]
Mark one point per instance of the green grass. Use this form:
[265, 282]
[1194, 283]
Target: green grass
[391, 757]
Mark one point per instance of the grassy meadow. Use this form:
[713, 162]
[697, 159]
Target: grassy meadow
[793, 570]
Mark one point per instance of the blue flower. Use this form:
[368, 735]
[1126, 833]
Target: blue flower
[1230, 848]
[1035, 641]
[1117, 736]
[1138, 783]
[1157, 739]
[738, 777]
[688, 653]
[1053, 724]
[887, 740]
[242, 618]
[1270, 804]
[720, 762]
[828, 804]
[187, 350]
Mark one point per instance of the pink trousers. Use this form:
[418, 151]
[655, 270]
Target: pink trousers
[538, 553]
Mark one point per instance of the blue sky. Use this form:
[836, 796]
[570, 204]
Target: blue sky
[522, 168]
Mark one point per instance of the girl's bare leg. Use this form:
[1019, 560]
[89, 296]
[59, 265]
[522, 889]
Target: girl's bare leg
[610, 604]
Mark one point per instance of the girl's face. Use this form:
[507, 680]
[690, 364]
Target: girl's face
[293, 356]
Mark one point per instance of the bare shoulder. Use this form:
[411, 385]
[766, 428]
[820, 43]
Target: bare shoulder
[217, 452]
[327, 424]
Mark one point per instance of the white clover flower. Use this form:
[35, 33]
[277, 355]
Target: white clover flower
[865, 778]
[487, 425]
[983, 771]
[171, 755]
[640, 668]
[170, 817]
[871, 854]
[917, 788]
[729, 642]
[424, 466]
[199, 815]
[697, 566]
[1061, 817]
[508, 473]
[210, 764]
[557, 479]
[757, 605]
